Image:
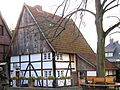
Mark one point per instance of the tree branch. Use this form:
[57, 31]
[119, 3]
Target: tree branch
[104, 3]
[111, 28]
[111, 8]
[81, 10]
[64, 8]
[59, 7]
[108, 4]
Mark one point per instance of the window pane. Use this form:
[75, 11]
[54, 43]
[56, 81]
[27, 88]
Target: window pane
[62, 73]
[61, 58]
[58, 73]
[49, 56]
[45, 73]
[45, 56]
[49, 73]
[11, 66]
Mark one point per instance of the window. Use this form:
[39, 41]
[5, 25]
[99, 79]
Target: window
[48, 55]
[45, 74]
[109, 54]
[45, 56]
[59, 57]
[27, 50]
[1, 30]
[58, 73]
[62, 73]
[49, 73]
[27, 43]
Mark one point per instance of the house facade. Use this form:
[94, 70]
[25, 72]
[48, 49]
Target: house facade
[48, 45]
[112, 52]
[5, 38]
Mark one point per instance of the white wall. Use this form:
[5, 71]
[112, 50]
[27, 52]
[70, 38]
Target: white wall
[14, 59]
[91, 73]
[47, 65]
[25, 58]
[35, 57]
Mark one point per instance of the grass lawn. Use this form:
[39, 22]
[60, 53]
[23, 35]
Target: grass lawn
[33, 88]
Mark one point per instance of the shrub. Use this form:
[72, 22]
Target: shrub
[40, 78]
[51, 78]
[31, 79]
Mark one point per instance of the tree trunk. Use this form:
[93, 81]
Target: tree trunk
[101, 40]
[100, 57]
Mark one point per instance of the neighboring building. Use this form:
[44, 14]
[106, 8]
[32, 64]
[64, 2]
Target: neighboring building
[112, 52]
[5, 38]
[42, 47]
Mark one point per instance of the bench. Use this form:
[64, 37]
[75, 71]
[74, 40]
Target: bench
[90, 79]
[100, 83]
[104, 80]
[100, 87]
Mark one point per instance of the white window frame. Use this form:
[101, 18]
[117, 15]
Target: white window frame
[59, 56]
[110, 54]
[58, 73]
[45, 73]
[47, 56]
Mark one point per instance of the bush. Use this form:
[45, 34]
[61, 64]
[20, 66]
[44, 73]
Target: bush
[51, 78]
[31, 79]
[23, 78]
[40, 78]
[14, 78]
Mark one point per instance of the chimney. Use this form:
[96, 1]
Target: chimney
[111, 41]
[117, 42]
[38, 8]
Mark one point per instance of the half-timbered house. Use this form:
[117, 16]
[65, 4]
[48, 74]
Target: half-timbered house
[5, 40]
[48, 45]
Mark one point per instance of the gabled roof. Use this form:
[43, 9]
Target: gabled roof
[5, 25]
[110, 47]
[67, 38]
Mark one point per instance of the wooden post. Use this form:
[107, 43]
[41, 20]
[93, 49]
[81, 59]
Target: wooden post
[42, 67]
[54, 69]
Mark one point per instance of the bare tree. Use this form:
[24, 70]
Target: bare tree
[102, 7]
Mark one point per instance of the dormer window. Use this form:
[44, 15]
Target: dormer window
[109, 54]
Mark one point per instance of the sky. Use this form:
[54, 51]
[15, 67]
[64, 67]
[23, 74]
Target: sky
[11, 9]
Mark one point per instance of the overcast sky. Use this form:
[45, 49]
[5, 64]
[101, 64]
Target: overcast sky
[11, 9]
